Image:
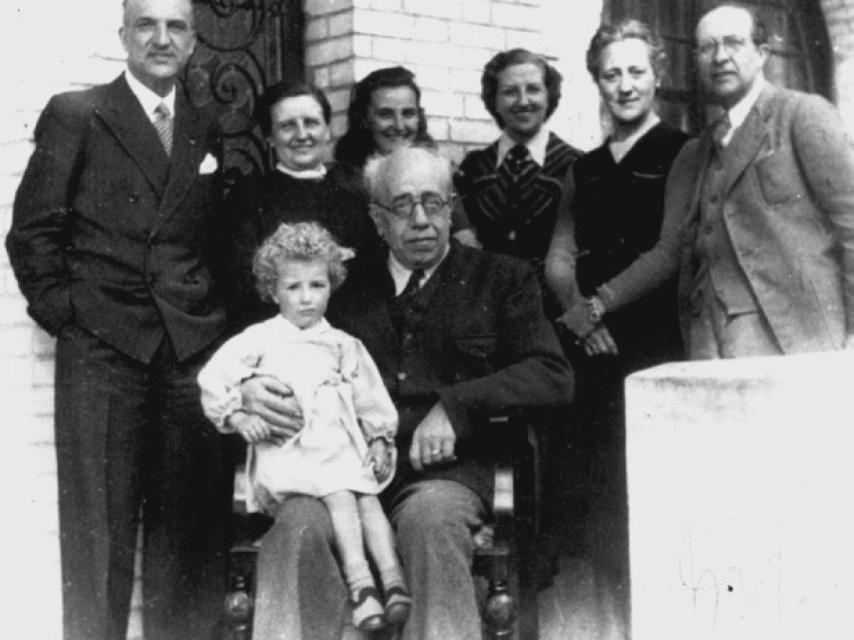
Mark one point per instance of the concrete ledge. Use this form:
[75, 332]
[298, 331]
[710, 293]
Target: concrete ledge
[740, 478]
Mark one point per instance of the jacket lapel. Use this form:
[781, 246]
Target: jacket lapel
[125, 118]
[188, 149]
[748, 140]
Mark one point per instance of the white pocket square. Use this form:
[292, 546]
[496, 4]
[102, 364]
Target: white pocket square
[208, 165]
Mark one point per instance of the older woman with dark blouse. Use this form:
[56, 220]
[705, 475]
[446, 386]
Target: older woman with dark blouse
[611, 265]
[294, 117]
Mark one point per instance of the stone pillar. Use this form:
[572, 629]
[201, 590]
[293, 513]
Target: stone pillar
[739, 478]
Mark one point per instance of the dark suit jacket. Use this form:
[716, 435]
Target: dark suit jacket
[483, 346]
[789, 213]
[110, 235]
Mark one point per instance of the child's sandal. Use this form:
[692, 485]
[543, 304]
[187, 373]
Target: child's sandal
[397, 603]
[367, 610]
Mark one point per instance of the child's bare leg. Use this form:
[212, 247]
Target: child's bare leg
[347, 527]
[380, 541]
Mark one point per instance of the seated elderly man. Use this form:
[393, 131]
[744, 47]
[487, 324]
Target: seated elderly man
[458, 334]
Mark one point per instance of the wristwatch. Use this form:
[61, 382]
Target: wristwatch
[595, 309]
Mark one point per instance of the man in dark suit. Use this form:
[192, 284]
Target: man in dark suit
[457, 334]
[768, 256]
[112, 224]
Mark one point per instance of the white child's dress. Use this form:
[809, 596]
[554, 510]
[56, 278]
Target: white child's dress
[343, 400]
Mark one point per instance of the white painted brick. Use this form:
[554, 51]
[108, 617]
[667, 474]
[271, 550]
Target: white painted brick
[339, 99]
[390, 49]
[13, 311]
[473, 131]
[443, 104]
[440, 8]
[386, 5]
[43, 344]
[474, 35]
[516, 16]
[42, 401]
[328, 51]
[362, 45]
[341, 73]
[531, 40]
[15, 341]
[395, 25]
[320, 76]
[431, 29]
[477, 11]
[468, 80]
[325, 7]
[341, 24]
[435, 53]
[43, 372]
[41, 459]
[316, 28]
[430, 77]
[439, 128]
[473, 108]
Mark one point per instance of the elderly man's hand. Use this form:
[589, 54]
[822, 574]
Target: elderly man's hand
[272, 400]
[433, 440]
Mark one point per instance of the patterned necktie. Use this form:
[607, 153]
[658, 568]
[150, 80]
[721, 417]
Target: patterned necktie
[163, 125]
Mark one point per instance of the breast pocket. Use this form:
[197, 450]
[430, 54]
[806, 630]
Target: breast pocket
[779, 182]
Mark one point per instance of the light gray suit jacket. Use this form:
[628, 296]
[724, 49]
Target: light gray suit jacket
[789, 213]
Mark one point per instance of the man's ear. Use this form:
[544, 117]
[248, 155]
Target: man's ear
[378, 217]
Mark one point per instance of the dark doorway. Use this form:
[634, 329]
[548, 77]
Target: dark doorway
[244, 46]
[800, 50]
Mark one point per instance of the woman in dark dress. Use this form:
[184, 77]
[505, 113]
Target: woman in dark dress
[294, 117]
[611, 265]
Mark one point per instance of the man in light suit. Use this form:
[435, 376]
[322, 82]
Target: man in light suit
[767, 262]
[112, 226]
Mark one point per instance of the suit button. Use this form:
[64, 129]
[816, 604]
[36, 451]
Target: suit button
[133, 198]
[401, 376]
[714, 199]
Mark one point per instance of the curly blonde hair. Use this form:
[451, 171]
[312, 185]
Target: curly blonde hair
[298, 241]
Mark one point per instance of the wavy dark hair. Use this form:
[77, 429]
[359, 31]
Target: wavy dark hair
[610, 33]
[287, 89]
[499, 62]
[358, 144]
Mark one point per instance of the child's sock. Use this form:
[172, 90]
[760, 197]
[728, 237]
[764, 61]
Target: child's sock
[364, 598]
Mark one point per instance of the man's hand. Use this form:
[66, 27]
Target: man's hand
[600, 343]
[272, 400]
[379, 457]
[433, 440]
[255, 429]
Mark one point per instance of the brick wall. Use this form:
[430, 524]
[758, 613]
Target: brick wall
[446, 44]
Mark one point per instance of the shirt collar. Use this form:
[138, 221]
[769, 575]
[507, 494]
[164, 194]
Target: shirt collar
[739, 112]
[147, 98]
[307, 174]
[289, 327]
[400, 274]
[536, 146]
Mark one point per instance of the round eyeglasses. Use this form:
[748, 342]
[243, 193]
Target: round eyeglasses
[403, 206]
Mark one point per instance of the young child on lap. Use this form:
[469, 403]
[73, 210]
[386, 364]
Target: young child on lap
[344, 454]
